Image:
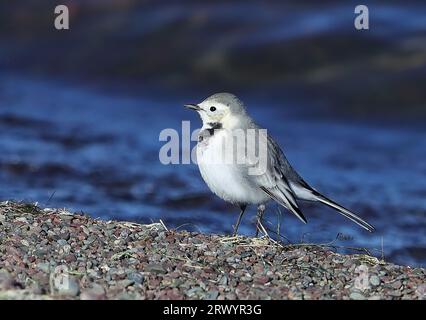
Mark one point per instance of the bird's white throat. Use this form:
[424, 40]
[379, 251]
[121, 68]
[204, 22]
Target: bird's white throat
[228, 122]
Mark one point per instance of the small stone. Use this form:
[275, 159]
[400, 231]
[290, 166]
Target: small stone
[62, 242]
[21, 219]
[70, 258]
[136, 277]
[357, 296]
[193, 291]
[230, 259]
[262, 279]
[348, 263]
[65, 235]
[110, 225]
[67, 217]
[40, 252]
[223, 281]
[196, 241]
[43, 266]
[394, 293]
[155, 268]
[85, 230]
[177, 282]
[81, 237]
[125, 283]
[124, 296]
[374, 280]
[6, 280]
[421, 291]
[231, 296]
[89, 240]
[397, 284]
[212, 295]
[245, 254]
[65, 249]
[210, 254]
[338, 259]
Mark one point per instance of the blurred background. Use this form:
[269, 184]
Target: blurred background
[81, 109]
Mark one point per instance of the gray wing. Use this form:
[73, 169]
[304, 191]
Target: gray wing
[274, 180]
[276, 183]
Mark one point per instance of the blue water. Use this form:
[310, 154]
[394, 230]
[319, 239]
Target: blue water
[87, 149]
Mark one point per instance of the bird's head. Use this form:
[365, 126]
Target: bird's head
[223, 108]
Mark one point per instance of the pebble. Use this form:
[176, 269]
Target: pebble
[65, 235]
[357, 296]
[212, 295]
[44, 266]
[155, 268]
[21, 219]
[397, 284]
[125, 283]
[6, 280]
[67, 217]
[224, 280]
[95, 292]
[374, 280]
[395, 293]
[123, 296]
[193, 291]
[196, 241]
[348, 263]
[62, 242]
[70, 258]
[136, 277]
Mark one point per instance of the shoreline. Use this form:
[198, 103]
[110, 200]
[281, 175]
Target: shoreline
[55, 254]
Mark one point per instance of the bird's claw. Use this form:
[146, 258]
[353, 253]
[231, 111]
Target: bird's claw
[261, 227]
[234, 234]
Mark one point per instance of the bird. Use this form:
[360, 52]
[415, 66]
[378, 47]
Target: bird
[235, 179]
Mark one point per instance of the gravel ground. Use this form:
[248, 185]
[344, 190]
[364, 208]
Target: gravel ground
[54, 254]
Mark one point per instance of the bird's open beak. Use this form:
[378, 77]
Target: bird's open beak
[192, 107]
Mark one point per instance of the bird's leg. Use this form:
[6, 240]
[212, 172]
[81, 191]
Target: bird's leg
[243, 209]
[260, 211]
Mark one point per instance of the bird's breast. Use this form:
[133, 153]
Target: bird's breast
[227, 179]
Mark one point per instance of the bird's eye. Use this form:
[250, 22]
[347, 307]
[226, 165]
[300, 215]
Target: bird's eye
[212, 109]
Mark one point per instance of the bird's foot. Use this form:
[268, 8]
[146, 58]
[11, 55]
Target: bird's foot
[257, 229]
[260, 211]
[235, 233]
[261, 227]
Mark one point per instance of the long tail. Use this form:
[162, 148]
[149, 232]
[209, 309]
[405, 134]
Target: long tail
[343, 211]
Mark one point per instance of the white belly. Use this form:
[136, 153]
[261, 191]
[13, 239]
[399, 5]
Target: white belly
[228, 181]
